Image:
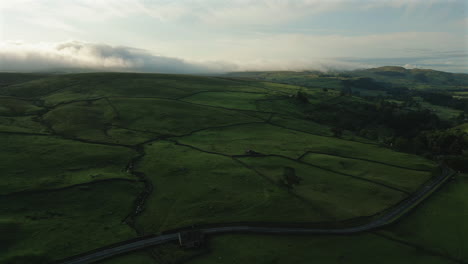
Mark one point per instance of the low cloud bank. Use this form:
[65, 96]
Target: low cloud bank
[15, 56]
[77, 55]
[82, 56]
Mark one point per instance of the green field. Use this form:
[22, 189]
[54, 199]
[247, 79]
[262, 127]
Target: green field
[435, 233]
[25, 124]
[461, 94]
[421, 79]
[171, 117]
[463, 127]
[80, 152]
[404, 179]
[46, 226]
[13, 107]
[341, 197]
[445, 113]
[51, 162]
[233, 100]
[215, 189]
[439, 225]
[269, 139]
[365, 248]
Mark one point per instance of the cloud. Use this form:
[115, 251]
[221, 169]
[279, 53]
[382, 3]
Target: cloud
[449, 62]
[78, 55]
[318, 64]
[18, 56]
[262, 11]
[285, 47]
[212, 12]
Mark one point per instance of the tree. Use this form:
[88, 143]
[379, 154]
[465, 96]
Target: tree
[421, 77]
[290, 178]
[302, 97]
[337, 131]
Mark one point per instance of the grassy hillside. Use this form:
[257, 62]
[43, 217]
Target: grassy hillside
[7, 79]
[398, 76]
[109, 156]
[434, 233]
[416, 78]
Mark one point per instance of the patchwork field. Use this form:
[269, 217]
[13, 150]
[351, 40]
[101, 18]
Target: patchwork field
[270, 140]
[32, 163]
[92, 159]
[39, 227]
[365, 248]
[434, 233]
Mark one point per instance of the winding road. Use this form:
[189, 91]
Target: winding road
[386, 218]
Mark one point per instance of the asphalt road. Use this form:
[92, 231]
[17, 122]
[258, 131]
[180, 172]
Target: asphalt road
[387, 218]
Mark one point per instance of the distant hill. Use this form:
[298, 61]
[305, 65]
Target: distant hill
[415, 78]
[395, 76]
[7, 78]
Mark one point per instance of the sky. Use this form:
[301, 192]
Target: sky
[214, 36]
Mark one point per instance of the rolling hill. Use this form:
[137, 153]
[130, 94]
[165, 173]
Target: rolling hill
[95, 158]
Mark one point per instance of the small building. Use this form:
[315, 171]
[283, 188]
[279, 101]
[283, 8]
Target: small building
[191, 239]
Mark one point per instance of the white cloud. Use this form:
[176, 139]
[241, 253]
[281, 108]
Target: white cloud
[248, 34]
[284, 47]
[318, 64]
[214, 12]
[264, 11]
[303, 52]
[18, 56]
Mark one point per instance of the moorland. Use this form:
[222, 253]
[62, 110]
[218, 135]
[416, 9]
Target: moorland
[93, 159]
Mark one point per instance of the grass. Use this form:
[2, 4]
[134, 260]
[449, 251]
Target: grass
[301, 124]
[24, 124]
[95, 120]
[268, 139]
[408, 180]
[133, 258]
[412, 78]
[440, 224]
[39, 87]
[445, 113]
[173, 117]
[62, 88]
[423, 79]
[463, 127]
[17, 115]
[188, 128]
[192, 187]
[461, 95]
[128, 136]
[367, 92]
[170, 253]
[49, 226]
[433, 233]
[364, 248]
[312, 127]
[55, 163]
[86, 120]
[293, 78]
[9, 78]
[342, 197]
[234, 100]
[14, 107]
[285, 106]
